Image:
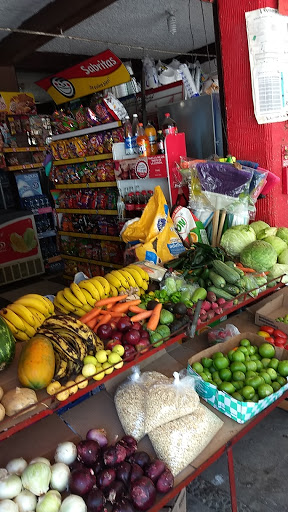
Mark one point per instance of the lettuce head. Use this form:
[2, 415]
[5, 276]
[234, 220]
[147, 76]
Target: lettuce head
[235, 239]
[259, 255]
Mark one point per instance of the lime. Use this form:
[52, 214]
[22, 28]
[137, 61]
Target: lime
[251, 365]
[217, 381]
[255, 398]
[274, 363]
[255, 382]
[225, 374]
[206, 362]
[238, 366]
[217, 354]
[251, 350]
[281, 380]
[238, 384]
[265, 361]
[230, 354]
[237, 396]
[244, 350]
[283, 368]
[272, 373]
[204, 376]
[266, 377]
[276, 386]
[250, 374]
[259, 366]
[238, 375]
[256, 349]
[238, 356]
[245, 343]
[265, 390]
[212, 368]
[247, 358]
[255, 357]
[197, 367]
[248, 392]
[266, 350]
[227, 387]
[221, 362]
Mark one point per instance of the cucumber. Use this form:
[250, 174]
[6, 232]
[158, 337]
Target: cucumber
[229, 274]
[220, 293]
[216, 279]
[205, 274]
[7, 345]
[201, 282]
[231, 288]
[199, 294]
[230, 264]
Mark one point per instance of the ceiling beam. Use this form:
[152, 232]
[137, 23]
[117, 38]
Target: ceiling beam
[50, 62]
[57, 16]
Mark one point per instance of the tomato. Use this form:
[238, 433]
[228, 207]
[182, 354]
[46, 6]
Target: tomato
[264, 334]
[270, 340]
[280, 342]
[280, 334]
[268, 329]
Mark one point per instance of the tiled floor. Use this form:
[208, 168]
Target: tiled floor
[42, 285]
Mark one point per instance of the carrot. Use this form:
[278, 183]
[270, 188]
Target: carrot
[136, 309]
[112, 313]
[154, 318]
[245, 269]
[103, 320]
[110, 300]
[109, 306]
[141, 316]
[91, 314]
[92, 323]
[123, 308]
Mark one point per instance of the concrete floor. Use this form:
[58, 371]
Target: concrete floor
[260, 458]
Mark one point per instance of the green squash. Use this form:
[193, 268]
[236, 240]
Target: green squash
[7, 345]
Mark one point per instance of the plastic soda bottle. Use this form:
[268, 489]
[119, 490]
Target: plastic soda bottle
[160, 143]
[135, 129]
[151, 134]
[128, 136]
[143, 142]
[169, 125]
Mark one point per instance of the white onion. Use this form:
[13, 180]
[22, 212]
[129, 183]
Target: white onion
[8, 506]
[60, 473]
[50, 502]
[26, 501]
[10, 487]
[16, 466]
[73, 503]
[36, 478]
[40, 459]
[66, 453]
[3, 473]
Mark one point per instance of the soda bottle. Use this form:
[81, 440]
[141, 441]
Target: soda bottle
[143, 142]
[130, 205]
[128, 136]
[135, 128]
[151, 134]
[160, 143]
[169, 125]
[138, 204]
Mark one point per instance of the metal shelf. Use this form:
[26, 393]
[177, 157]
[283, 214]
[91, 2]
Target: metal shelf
[99, 184]
[24, 150]
[93, 262]
[86, 131]
[90, 235]
[89, 212]
[24, 167]
[92, 158]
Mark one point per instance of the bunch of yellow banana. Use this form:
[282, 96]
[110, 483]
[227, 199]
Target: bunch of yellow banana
[72, 341]
[26, 315]
[79, 299]
[131, 278]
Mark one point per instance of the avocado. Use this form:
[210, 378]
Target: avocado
[169, 306]
[179, 309]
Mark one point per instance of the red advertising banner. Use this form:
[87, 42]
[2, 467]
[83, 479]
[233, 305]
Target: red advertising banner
[17, 240]
[283, 7]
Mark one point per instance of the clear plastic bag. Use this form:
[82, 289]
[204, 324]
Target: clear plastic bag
[168, 401]
[221, 334]
[179, 442]
[130, 401]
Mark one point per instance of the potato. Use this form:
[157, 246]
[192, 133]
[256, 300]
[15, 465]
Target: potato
[17, 399]
[2, 412]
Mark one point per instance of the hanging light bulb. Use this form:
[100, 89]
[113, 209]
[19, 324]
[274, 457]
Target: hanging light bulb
[171, 22]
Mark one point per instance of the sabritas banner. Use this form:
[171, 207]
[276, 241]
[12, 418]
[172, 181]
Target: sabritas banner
[92, 75]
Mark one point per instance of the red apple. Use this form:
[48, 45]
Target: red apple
[137, 326]
[105, 332]
[131, 337]
[111, 343]
[124, 324]
[117, 335]
[142, 345]
[130, 353]
[144, 334]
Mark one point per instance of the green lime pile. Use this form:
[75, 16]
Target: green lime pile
[248, 373]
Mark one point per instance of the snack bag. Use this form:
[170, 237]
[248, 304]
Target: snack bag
[188, 226]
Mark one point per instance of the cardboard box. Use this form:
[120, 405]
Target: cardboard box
[237, 411]
[277, 306]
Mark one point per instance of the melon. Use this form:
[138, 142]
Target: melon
[7, 345]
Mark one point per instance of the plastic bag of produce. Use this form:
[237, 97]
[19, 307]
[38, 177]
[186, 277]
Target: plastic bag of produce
[130, 401]
[221, 334]
[179, 442]
[168, 401]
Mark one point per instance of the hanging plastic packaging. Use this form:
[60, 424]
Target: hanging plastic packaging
[188, 81]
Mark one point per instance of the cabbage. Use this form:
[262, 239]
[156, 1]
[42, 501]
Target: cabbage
[283, 233]
[237, 238]
[259, 255]
[266, 232]
[258, 226]
[277, 271]
[283, 257]
[276, 242]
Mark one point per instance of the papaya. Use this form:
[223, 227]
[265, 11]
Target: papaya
[36, 365]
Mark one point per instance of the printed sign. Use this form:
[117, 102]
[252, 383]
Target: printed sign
[17, 103]
[18, 240]
[92, 75]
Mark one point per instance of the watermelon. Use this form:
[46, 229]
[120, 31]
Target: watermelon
[7, 345]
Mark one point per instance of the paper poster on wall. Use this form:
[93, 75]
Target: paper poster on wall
[267, 33]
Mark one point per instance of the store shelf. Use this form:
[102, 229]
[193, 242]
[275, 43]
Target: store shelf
[91, 236]
[24, 150]
[100, 184]
[24, 167]
[46, 234]
[92, 158]
[93, 262]
[86, 131]
[84, 210]
[54, 259]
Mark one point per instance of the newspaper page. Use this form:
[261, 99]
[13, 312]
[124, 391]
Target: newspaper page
[267, 33]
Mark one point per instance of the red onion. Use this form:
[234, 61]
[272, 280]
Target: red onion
[114, 455]
[105, 332]
[143, 493]
[165, 482]
[115, 492]
[81, 481]
[137, 326]
[136, 472]
[95, 500]
[124, 324]
[123, 506]
[88, 452]
[76, 465]
[131, 337]
[99, 435]
[98, 466]
[155, 470]
[123, 472]
[141, 458]
[144, 334]
[130, 353]
[105, 478]
[130, 445]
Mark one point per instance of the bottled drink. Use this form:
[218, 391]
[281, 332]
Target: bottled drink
[151, 134]
[143, 142]
[135, 129]
[138, 204]
[130, 205]
[169, 125]
[160, 143]
[128, 137]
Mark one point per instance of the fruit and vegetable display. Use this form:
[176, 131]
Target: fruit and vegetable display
[247, 372]
[86, 477]
[274, 336]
